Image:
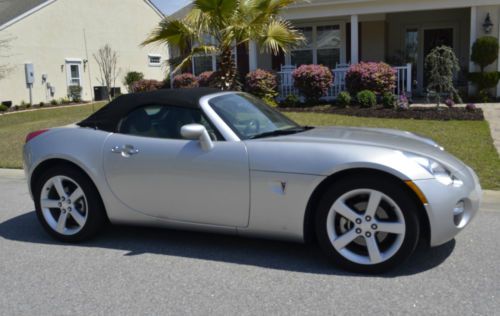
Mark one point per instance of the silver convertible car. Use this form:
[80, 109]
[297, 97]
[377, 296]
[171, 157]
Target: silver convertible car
[225, 162]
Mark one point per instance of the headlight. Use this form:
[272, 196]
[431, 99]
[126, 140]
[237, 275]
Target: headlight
[440, 172]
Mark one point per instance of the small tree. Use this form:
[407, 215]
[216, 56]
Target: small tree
[132, 77]
[107, 59]
[485, 51]
[442, 65]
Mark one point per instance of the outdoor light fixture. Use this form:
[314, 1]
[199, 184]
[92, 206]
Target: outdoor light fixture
[487, 25]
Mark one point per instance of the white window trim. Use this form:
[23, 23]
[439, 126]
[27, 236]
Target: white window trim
[68, 63]
[154, 56]
[314, 48]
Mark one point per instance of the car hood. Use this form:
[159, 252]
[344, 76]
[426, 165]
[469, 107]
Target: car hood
[378, 137]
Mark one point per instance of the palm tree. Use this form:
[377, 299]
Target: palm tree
[218, 26]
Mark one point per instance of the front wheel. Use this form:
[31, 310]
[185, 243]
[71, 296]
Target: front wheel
[68, 205]
[367, 225]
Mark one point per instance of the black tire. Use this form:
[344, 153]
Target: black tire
[394, 190]
[96, 215]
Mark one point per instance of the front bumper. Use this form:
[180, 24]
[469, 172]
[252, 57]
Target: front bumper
[441, 202]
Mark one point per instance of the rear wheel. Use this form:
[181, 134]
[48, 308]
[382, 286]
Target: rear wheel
[367, 225]
[68, 204]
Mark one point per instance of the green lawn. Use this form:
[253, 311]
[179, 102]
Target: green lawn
[14, 128]
[469, 140]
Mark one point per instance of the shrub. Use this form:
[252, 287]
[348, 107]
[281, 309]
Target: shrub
[53, 102]
[484, 80]
[41, 104]
[25, 105]
[75, 93]
[8, 104]
[376, 77]
[145, 85]
[290, 101]
[403, 103]
[485, 51]
[3, 108]
[185, 80]
[262, 84]
[132, 77]
[344, 99]
[366, 98]
[449, 102]
[313, 81]
[389, 100]
[205, 78]
[471, 107]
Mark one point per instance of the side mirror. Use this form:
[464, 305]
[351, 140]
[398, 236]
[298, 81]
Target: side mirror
[197, 132]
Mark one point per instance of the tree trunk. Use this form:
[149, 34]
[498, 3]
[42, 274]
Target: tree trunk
[227, 77]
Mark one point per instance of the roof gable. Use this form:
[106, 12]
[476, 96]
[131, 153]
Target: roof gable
[11, 9]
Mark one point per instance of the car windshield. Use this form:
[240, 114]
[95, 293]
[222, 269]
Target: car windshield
[249, 117]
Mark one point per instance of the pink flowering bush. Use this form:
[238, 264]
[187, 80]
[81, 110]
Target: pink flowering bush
[376, 77]
[146, 85]
[261, 83]
[205, 78]
[313, 81]
[185, 80]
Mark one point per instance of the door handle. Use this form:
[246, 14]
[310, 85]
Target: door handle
[125, 150]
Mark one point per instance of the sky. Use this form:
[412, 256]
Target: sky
[170, 6]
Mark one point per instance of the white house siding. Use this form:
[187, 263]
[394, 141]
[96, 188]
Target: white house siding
[55, 33]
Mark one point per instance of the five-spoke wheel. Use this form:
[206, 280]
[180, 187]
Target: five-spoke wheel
[367, 225]
[68, 204]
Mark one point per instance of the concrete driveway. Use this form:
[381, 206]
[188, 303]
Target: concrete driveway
[150, 271]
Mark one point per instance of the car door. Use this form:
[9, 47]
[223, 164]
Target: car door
[152, 170]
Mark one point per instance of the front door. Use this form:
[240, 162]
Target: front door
[434, 38]
[168, 177]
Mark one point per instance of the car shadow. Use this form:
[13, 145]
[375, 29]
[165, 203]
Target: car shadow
[225, 248]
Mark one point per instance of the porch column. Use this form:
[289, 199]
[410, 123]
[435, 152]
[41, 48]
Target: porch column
[354, 39]
[473, 37]
[252, 55]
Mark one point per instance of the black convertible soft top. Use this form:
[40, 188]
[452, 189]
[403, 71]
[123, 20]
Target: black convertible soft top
[108, 117]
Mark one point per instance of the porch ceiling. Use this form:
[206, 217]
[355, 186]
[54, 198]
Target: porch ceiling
[337, 8]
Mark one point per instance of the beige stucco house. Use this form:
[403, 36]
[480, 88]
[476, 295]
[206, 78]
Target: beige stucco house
[59, 37]
[400, 32]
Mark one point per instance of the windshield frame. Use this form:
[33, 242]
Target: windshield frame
[206, 104]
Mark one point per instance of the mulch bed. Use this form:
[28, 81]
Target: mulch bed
[417, 113]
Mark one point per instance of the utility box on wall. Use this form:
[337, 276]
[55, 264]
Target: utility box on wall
[30, 73]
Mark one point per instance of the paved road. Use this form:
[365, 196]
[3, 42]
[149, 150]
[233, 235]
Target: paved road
[149, 271]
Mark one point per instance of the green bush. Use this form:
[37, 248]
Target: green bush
[53, 102]
[484, 80]
[41, 104]
[485, 51]
[344, 99]
[132, 77]
[389, 100]
[366, 98]
[290, 101]
[3, 108]
[75, 93]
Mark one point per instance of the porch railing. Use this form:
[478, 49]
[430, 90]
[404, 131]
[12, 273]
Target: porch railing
[403, 81]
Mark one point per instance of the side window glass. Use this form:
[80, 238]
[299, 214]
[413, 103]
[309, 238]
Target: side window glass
[163, 122]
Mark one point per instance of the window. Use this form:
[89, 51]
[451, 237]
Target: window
[411, 50]
[202, 64]
[74, 72]
[328, 45]
[161, 121]
[154, 60]
[304, 54]
[323, 46]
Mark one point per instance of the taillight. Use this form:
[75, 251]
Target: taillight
[32, 135]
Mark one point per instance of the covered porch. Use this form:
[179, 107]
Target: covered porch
[401, 36]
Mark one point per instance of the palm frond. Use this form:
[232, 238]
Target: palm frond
[280, 35]
[172, 32]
